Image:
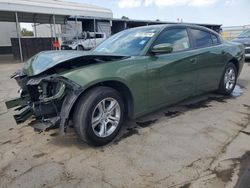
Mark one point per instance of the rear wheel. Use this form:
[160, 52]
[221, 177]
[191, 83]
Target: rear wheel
[99, 115]
[228, 80]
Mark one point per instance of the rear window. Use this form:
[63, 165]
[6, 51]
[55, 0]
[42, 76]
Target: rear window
[201, 38]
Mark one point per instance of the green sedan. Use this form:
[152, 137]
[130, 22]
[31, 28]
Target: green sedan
[133, 73]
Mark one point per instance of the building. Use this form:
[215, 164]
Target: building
[7, 31]
[58, 20]
[41, 12]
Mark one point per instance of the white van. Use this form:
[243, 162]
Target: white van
[86, 41]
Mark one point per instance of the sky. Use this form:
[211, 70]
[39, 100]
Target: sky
[225, 12]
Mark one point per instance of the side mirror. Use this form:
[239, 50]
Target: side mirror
[164, 48]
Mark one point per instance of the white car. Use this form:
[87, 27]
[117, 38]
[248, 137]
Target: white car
[87, 41]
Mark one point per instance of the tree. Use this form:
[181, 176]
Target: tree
[26, 32]
[158, 20]
[125, 18]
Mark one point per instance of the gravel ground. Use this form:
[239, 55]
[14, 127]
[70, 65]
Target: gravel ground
[202, 142]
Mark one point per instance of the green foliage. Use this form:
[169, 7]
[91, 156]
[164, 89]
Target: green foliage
[26, 32]
[125, 18]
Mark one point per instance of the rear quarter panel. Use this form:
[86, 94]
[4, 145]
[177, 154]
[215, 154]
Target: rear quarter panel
[235, 51]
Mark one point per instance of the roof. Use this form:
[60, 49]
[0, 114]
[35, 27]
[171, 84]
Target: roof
[41, 11]
[149, 22]
[174, 25]
[164, 22]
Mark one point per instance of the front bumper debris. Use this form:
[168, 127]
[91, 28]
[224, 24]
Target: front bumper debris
[48, 99]
[24, 113]
[24, 110]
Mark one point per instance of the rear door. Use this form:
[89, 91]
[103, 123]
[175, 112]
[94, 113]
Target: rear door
[172, 77]
[211, 59]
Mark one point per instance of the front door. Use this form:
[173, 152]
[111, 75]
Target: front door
[172, 77]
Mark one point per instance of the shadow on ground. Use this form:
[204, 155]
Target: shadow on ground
[131, 128]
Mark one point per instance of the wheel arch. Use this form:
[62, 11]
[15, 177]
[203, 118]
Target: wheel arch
[119, 86]
[236, 63]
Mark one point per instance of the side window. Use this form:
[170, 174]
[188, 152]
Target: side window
[215, 39]
[177, 37]
[201, 38]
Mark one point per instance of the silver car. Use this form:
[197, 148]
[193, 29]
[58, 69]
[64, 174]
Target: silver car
[244, 38]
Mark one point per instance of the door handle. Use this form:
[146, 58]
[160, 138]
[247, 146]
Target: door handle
[193, 61]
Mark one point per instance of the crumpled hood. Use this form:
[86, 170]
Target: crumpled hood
[43, 61]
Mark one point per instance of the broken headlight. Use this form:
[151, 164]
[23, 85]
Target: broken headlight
[51, 90]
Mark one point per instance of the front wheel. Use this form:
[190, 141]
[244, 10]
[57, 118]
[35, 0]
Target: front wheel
[99, 115]
[228, 80]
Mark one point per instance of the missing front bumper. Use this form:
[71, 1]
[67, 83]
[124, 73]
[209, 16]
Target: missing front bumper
[24, 110]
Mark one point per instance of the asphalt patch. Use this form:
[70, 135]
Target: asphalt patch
[54, 134]
[39, 155]
[8, 141]
[187, 185]
[146, 123]
[246, 105]
[244, 174]
[219, 99]
[129, 132]
[245, 132]
[227, 174]
[172, 114]
[200, 104]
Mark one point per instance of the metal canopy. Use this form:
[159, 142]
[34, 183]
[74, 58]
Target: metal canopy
[42, 11]
[46, 12]
[32, 18]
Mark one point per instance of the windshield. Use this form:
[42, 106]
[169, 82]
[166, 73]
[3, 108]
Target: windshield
[245, 34]
[129, 42]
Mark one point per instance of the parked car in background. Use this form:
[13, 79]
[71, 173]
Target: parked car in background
[86, 41]
[244, 38]
[134, 72]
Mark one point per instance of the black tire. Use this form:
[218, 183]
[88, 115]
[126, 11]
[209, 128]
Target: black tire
[222, 87]
[80, 48]
[84, 110]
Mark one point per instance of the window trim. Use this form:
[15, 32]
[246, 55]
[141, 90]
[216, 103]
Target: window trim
[170, 28]
[207, 31]
[219, 42]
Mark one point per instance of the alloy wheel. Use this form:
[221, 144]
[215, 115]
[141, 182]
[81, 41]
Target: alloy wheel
[230, 78]
[106, 117]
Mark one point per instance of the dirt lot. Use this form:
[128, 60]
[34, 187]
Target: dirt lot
[203, 142]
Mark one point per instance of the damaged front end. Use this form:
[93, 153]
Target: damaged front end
[45, 93]
[48, 98]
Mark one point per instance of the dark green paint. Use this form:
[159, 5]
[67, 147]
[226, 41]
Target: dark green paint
[154, 80]
[18, 101]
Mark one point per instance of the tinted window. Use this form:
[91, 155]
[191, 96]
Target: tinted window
[201, 38]
[177, 37]
[215, 39]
